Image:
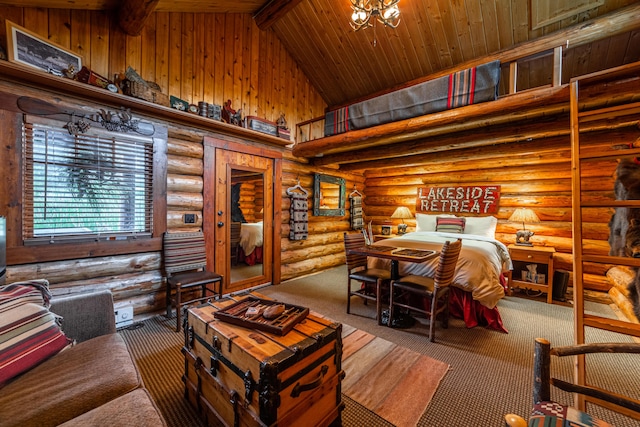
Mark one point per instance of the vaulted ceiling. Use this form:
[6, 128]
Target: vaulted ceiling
[433, 36]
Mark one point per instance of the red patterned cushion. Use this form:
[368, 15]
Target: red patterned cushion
[450, 225]
[29, 332]
[552, 414]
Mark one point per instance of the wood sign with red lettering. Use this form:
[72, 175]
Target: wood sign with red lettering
[476, 199]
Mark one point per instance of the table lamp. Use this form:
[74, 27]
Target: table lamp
[402, 213]
[524, 215]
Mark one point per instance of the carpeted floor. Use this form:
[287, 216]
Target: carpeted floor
[490, 374]
[156, 348]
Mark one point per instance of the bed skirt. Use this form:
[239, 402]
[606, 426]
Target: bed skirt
[255, 257]
[470, 86]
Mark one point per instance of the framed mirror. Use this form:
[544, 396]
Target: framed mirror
[246, 228]
[328, 195]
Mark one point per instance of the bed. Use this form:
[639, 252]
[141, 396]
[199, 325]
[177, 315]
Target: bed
[251, 240]
[479, 281]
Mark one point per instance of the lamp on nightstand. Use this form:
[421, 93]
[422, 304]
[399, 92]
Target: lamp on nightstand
[524, 215]
[402, 213]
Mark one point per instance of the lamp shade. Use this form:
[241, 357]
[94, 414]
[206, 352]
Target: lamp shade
[402, 212]
[524, 215]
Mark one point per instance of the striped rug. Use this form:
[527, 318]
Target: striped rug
[392, 381]
[385, 384]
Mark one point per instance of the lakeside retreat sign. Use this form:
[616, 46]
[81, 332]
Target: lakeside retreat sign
[478, 199]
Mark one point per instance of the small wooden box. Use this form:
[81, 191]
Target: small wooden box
[261, 125]
[241, 376]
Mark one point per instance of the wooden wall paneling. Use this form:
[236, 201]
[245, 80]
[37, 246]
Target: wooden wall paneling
[133, 53]
[148, 49]
[175, 51]
[161, 72]
[10, 174]
[439, 34]
[60, 27]
[229, 60]
[187, 72]
[254, 73]
[199, 57]
[208, 80]
[238, 68]
[80, 36]
[219, 55]
[117, 49]
[245, 66]
[98, 48]
[36, 20]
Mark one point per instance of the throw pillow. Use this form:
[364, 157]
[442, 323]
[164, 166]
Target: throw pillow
[450, 225]
[427, 222]
[29, 332]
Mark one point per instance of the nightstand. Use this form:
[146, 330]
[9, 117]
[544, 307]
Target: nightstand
[542, 256]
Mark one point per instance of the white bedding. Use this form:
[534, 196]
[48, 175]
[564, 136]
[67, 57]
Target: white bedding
[482, 260]
[250, 236]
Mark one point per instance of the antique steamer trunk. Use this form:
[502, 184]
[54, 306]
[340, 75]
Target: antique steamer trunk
[238, 376]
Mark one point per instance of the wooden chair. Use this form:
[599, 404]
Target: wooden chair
[410, 291]
[545, 410]
[371, 277]
[185, 268]
[236, 227]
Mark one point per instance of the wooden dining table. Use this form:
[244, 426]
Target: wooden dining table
[395, 254]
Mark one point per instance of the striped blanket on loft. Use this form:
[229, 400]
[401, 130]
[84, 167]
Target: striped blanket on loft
[470, 86]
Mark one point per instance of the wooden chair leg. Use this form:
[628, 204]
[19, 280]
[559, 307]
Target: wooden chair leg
[432, 318]
[378, 302]
[178, 307]
[348, 296]
[168, 300]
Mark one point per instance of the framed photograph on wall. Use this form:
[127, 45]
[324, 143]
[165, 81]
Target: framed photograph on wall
[28, 48]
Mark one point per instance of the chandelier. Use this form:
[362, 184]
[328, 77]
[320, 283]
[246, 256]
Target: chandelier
[385, 11]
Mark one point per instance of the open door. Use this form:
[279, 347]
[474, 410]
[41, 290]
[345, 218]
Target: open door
[239, 214]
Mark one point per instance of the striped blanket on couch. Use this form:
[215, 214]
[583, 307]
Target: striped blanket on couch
[470, 86]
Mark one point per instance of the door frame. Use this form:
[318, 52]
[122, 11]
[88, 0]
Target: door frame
[210, 219]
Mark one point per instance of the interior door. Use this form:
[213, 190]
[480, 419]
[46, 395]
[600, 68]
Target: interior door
[243, 199]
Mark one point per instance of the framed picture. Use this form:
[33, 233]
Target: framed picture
[28, 48]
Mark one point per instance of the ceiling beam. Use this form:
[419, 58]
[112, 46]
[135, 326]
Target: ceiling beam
[133, 14]
[271, 12]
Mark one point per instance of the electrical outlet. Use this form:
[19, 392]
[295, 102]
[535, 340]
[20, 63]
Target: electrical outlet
[124, 316]
[189, 218]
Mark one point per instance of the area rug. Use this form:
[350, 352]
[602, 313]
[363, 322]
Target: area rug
[392, 381]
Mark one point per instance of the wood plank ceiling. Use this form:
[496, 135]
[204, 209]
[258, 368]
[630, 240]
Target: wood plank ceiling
[433, 36]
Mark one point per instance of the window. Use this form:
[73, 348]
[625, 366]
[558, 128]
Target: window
[93, 186]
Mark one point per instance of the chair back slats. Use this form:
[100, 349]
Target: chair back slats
[353, 241]
[447, 263]
[184, 251]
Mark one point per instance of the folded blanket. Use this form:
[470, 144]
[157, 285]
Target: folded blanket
[470, 86]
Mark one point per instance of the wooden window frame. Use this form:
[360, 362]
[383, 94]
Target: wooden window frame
[11, 201]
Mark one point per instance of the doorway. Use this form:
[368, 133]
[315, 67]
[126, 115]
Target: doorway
[242, 213]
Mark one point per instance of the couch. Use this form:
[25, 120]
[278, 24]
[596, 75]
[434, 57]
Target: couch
[93, 382]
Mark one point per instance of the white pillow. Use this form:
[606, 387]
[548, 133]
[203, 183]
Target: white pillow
[481, 226]
[426, 222]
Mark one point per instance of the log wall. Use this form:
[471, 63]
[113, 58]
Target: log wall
[324, 247]
[534, 174]
[196, 57]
